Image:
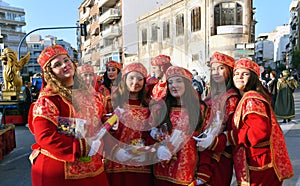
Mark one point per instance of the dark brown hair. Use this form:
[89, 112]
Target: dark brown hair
[190, 101]
[121, 95]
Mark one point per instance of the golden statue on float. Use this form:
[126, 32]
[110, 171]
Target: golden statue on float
[11, 73]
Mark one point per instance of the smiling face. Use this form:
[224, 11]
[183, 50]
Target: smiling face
[176, 86]
[219, 72]
[88, 78]
[240, 78]
[134, 81]
[112, 73]
[63, 68]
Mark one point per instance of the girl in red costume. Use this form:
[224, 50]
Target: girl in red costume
[182, 119]
[88, 97]
[110, 79]
[260, 155]
[160, 65]
[125, 166]
[64, 154]
[215, 163]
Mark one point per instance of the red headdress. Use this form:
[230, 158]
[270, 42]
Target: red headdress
[113, 64]
[160, 60]
[247, 64]
[138, 67]
[86, 68]
[222, 58]
[49, 53]
[179, 71]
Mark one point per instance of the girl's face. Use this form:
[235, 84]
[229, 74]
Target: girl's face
[112, 73]
[240, 78]
[134, 81]
[176, 86]
[88, 78]
[63, 68]
[157, 71]
[218, 72]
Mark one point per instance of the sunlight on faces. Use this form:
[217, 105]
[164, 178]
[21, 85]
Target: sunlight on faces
[218, 72]
[112, 73]
[63, 68]
[240, 78]
[134, 81]
[176, 86]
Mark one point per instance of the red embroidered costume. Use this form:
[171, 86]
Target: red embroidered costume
[160, 88]
[132, 132]
[105, 91]
[260, 155]
[215, 162]
[181, 169]
[218, 157]
[58, 155]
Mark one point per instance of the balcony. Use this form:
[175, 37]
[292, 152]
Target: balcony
[106, 3]
[231, 29]
[85, 16]
[110, 49]
[111, 32]
[109, 16]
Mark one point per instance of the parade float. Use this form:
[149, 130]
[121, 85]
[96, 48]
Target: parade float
[11, 99]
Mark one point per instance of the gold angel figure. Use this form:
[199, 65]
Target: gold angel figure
[12, 68]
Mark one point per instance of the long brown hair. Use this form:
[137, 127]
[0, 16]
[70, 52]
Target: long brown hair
[108, 83]
[228, 76]
[254, 83]
[190, 101]
[121, 95]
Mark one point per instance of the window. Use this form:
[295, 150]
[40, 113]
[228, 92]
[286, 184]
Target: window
[179, 25]
[144, 36]
[166, 30]
[154, 29]
[196, 19]
[230, 13]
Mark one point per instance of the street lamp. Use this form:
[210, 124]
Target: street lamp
[82, 28]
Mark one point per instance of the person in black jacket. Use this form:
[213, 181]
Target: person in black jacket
[272, 87]
[27, 99]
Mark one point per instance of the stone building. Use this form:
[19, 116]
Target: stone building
[190, 31]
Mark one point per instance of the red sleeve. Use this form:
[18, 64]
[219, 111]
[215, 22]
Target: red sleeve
[219, 143]
[205, 165]
[44, 127]
[60, 145]
[256, 129]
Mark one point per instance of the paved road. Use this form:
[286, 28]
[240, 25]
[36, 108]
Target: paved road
[15, 167]
[292, 137]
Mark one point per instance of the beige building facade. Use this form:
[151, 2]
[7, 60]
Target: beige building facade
[190, 31]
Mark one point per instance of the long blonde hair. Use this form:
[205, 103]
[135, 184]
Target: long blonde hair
[56, 85]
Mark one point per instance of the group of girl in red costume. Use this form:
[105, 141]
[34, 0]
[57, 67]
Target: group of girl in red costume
[120, 132]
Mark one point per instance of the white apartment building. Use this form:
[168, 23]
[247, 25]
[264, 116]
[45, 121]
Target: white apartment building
[36, 44]
[112, 30]
[270, 48]
[264, 50]
[190, 31]
[12, 19]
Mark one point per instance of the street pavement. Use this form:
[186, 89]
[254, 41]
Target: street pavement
[292, 137]
[15, 167]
